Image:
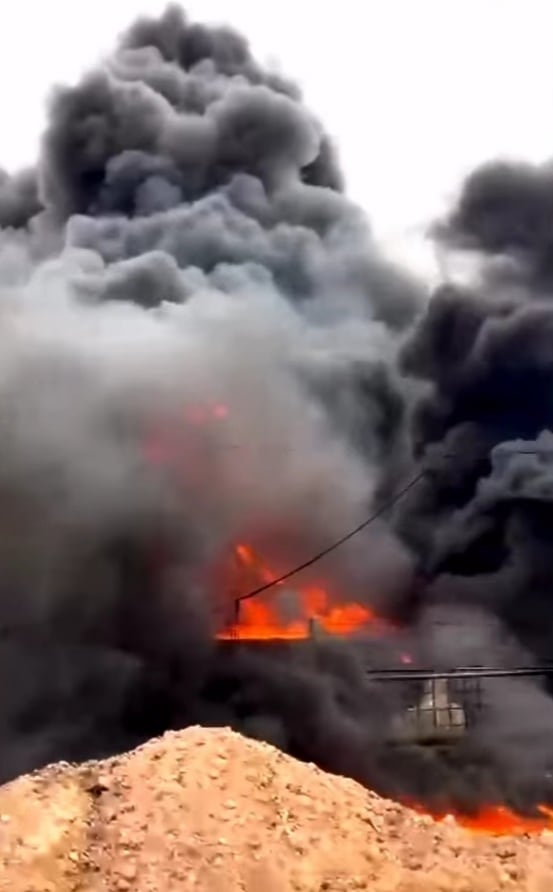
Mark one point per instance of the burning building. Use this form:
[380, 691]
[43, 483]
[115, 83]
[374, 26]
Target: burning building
[208, 374]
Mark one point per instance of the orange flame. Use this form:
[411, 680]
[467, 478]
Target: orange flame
[495, 820]
[259, 618]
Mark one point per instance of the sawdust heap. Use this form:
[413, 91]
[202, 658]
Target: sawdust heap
[210, 810]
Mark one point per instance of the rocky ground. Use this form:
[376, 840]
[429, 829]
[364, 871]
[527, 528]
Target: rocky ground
[209, 810]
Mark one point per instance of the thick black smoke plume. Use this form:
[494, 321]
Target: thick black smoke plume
[200, 344]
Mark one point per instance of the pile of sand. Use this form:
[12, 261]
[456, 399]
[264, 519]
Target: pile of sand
[210, 810]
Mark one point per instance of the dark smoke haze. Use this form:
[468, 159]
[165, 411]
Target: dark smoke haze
[184, 243]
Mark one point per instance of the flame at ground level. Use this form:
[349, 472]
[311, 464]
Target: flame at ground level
[494, 820]
[258, 619]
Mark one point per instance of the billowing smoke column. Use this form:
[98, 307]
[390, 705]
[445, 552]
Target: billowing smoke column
[481, 520]
[200, 344]
[197, 345]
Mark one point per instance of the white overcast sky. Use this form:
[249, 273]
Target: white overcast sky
[415, 92]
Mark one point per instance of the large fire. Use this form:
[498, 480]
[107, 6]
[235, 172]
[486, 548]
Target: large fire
[259, 618]
[170, 445]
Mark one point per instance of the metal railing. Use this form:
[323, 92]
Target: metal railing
[441, 707]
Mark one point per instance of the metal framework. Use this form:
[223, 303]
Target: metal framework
[439, 707]
[435, 707]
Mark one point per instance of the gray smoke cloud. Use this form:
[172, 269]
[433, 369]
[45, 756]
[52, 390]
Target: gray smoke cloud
[480, 521]
[198, 342]
[201, 344]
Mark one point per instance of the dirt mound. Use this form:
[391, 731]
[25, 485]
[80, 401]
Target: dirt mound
[210, 810]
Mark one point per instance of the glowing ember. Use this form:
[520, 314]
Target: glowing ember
[495, 820]
[175, 442]
[202, 414]
[259, 618]
[220, 411]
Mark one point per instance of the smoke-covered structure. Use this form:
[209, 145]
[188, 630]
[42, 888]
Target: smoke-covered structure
[200, 346]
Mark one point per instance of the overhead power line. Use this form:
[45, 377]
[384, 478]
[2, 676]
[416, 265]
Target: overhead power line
[545, 450]
[334, 545]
